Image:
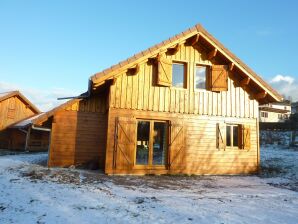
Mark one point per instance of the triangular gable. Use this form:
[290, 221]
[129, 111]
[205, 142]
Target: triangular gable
[194, 34]
[7, 95]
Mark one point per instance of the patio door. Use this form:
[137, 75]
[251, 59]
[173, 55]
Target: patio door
[152, 143]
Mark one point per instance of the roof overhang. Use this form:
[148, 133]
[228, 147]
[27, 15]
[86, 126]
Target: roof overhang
[192, 36]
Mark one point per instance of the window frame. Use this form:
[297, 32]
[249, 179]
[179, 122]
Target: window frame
[231, 125]
[185, 76]
[150, 164]
[208, 67]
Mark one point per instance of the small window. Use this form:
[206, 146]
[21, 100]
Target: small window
[200, 78]
[178, 76]
[232, 134]
[264, 114]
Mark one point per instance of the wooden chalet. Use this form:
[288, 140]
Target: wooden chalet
[16, 132]
[184, 106]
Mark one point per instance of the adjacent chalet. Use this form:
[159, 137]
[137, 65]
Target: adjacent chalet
[275, 112]
[184, 106]
[16, 132]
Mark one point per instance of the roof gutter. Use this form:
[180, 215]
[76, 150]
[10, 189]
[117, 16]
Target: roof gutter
[40, 128]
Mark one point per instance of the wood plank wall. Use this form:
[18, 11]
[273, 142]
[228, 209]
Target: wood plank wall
[200, 155]
[79, 133]
[13, 110]
[139, 92]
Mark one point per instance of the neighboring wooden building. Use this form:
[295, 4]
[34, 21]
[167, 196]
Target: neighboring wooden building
[275, 112]
[16, 132]
[186, 105]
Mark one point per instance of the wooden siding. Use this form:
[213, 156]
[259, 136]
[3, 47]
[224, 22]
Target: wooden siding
[13, 110]
[140, 92]
[79, 133]
[39, 140]
[200, 155]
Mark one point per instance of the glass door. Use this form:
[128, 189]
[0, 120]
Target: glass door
[152, 143]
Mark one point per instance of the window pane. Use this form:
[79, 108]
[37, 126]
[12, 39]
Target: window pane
[178, 75]
[200, 77]
[228, 135]
[160, 143]
[142, 154]
[235, 135]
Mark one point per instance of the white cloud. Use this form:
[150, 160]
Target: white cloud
[281, 78]
[44, 99]
[285, 85]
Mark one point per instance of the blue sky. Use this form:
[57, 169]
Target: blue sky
[51, 48]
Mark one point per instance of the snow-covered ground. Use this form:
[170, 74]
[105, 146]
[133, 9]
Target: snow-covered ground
[32, 193]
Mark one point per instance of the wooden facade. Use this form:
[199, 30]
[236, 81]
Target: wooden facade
[15, 108]
[78, 133]
[140, 118]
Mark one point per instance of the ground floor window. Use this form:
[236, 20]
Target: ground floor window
[232, 135]
[152, 142]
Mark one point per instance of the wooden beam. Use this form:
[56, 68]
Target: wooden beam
[261, 95]
[99, 83]
[173, 50]
[212, 54]
[194, 40]
[245, 81]
[134, 70]
[27, 139]
[231, 66]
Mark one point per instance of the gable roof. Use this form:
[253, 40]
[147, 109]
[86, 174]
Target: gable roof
[7, 95]
[109, 73]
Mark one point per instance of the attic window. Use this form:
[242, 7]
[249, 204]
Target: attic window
[179, 75]
[200, 78]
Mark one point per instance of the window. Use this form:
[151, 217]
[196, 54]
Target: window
[233, 136]
[280, 116]
[232, 132]
[200, 78]
[178, 75]
[143, 142]
[152, 142]
[264, 114]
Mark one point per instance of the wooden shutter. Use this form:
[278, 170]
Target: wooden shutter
[177, 145]
[218, 79]
[244, 137]
[124, 143]
[220, 136]
[11, 108]
[164, 77]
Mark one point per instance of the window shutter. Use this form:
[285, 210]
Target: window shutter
[220, 136]
[244, 137]
[218, 80]
[11, 108]
[164, 72]
[177, 145]
[124, 143]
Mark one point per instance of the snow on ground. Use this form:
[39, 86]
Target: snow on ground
[32, 193]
